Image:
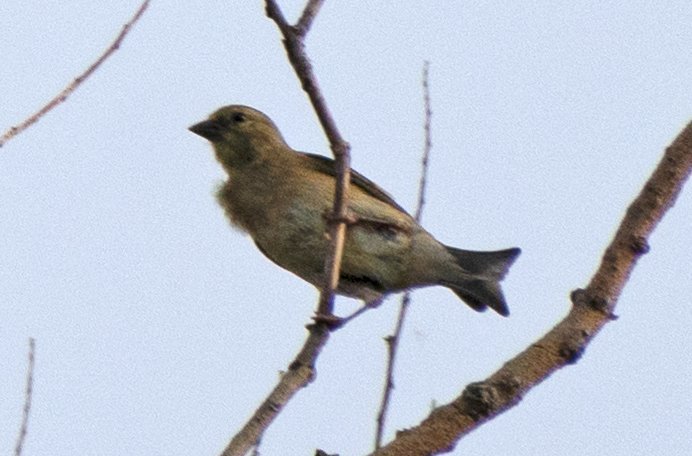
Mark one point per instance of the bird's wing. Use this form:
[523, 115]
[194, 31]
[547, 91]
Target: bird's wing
[326, 165]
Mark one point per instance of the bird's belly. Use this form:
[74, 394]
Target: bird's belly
[296, 241]
[373, 254]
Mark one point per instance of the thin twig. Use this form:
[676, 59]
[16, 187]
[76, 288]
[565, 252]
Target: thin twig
[428, 143]
[28, 395]
[393, 340]
[564, 344]
[301, 370]
[67, 91]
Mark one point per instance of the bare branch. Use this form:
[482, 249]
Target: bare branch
[309, 14]
[298, 375]
[28, 395]
[67, 91]
[295, 48]
[393, 340]
[428, 143]
[563, 345]
[301, 370]
[274, 13]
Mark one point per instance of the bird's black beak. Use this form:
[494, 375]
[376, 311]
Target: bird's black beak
[208, 129]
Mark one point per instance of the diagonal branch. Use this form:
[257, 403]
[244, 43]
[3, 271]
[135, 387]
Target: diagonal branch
[301, 370]
[67, 91]
[563, 345]
[298, 375]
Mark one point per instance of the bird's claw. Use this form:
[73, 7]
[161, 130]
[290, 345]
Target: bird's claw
[331, 321]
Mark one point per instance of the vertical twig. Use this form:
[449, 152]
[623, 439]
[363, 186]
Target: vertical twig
[67, 91]
[428, 143]
[295, 48]
[28, 394]
[301, 370]
[393, 340]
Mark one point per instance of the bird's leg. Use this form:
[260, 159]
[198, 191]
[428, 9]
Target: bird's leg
[365, 307]
[333, 322]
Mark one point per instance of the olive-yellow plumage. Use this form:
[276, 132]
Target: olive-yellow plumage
[281, 197]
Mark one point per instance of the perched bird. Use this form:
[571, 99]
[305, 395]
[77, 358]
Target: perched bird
[282, 197]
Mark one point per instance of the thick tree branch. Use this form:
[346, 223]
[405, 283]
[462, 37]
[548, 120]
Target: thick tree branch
[592, 309]
[301, 371]
[67, 91]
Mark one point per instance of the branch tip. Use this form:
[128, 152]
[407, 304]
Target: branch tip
[67, 91]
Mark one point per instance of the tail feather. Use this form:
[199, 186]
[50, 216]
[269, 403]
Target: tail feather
[482, 289]
[481, 294]
[486, 265]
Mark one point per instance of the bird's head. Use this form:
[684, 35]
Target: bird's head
[241, 135]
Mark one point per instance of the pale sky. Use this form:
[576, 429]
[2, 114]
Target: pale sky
[159, 329]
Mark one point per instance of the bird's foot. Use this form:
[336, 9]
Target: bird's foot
[331, 321]
[348, 219]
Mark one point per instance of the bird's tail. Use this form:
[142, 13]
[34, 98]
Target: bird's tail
[480, 286]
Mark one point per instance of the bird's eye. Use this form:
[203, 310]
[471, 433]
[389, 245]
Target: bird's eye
[239, 117]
